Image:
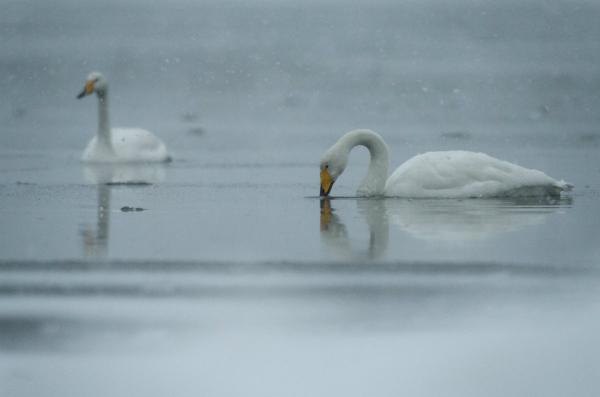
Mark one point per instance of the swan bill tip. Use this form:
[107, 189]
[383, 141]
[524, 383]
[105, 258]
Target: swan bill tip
[324, 193]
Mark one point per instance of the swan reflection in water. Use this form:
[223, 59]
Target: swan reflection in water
[433, 220]
[336, 237]
[95, 238]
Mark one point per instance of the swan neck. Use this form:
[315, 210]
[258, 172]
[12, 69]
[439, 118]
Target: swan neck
[103, 120]
[374, 182]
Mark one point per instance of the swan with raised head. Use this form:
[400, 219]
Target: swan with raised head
[118, 145]
[449, 174]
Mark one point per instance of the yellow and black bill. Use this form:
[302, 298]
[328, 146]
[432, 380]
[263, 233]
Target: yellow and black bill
[326, 183]
[87, 90]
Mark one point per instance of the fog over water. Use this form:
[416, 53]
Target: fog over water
[222, 273]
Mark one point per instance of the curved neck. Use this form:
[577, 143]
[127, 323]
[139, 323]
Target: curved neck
[103, 120]
[374, 181]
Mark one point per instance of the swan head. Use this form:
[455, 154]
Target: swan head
[95, 83]
[333, 164]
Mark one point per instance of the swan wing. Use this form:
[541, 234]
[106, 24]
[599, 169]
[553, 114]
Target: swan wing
[128, 145]
[462, 174]
[138, 145]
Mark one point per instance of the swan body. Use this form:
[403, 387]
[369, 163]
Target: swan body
[118, 145]
[448, 174]
[126, 145]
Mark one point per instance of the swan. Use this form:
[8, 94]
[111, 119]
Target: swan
[118, 145]
[449, 174]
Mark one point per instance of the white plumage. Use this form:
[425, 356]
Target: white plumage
[450, 174]
[118, 145]
[127, 145]
[456, 174]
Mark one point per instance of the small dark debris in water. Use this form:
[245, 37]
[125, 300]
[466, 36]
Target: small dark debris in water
[132, 209]
[132, 183]
[197, 131]
[461, 135]
[20, 183]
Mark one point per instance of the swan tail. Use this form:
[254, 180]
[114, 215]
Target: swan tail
[565, 186]
[551, 191]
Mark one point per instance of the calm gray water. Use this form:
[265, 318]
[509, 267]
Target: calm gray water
[233, 278]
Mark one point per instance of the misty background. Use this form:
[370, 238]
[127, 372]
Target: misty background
[260, 71]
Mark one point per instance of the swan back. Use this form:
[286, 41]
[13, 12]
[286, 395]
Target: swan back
[128, 145]
[462, 174]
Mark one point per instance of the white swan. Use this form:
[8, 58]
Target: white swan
[451, 174]
[118, 145]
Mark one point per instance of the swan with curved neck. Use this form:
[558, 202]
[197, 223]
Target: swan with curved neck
[113, 145]
[449, 174]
